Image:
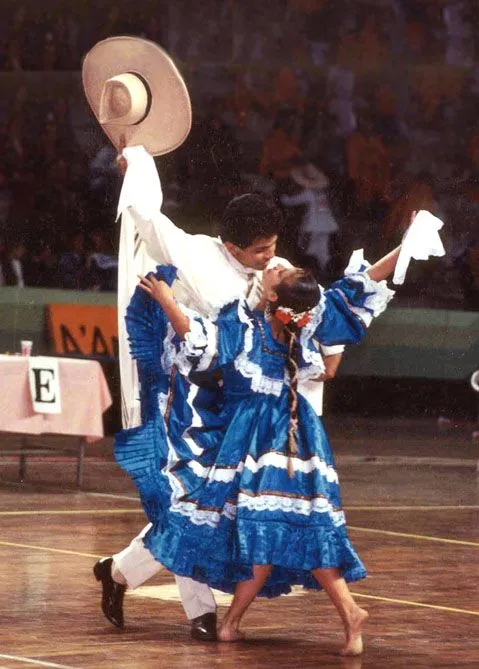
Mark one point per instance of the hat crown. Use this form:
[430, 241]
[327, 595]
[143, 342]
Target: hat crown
[124, 100]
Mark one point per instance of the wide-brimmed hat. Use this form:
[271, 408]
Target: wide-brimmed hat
[135, 90]
[309, 176]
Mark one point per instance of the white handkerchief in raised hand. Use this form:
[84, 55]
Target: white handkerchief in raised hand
[421, 241]
[141, 186]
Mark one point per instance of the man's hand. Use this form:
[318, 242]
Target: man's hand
[331, 364]
[120, 159]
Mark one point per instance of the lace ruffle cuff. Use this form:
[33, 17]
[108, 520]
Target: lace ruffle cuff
[366, 298]
[198, 348]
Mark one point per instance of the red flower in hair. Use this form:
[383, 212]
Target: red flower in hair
[304, 320]
[286, 316]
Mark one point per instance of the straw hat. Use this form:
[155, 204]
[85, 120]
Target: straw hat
[309, 176]
[135, 90]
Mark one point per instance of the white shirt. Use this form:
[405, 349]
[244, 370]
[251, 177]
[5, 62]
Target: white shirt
[208, 275]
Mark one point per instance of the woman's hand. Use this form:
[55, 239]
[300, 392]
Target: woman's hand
[162, 293]
[159, 290]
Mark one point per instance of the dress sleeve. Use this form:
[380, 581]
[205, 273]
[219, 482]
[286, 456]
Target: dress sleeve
[198, 351]
[213, 344]
[347, 308]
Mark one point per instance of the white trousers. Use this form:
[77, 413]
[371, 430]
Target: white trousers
[137, 565]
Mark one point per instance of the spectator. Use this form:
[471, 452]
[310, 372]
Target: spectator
[280, 149]
[318, 222]
[13, 268]
[417, 195]
[41, 268]
[71, 266]
[368, 163]
[101, 264]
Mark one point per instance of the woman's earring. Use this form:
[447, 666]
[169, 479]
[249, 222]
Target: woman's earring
[268, 314]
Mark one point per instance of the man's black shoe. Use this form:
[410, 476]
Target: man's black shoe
[203, 628]
[112, 592]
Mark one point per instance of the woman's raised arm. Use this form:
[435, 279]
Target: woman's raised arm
[162, 293]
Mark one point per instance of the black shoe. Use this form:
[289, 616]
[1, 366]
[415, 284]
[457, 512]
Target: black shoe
[112, 592]
[203, 628]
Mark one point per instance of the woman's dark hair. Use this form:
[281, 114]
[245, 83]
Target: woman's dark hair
[300, 294]
[250, 217]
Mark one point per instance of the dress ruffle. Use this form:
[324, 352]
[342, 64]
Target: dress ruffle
[226, 555]
[212, 468]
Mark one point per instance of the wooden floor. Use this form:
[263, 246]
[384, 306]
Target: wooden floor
[415, 526]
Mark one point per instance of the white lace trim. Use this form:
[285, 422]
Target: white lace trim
[310, 356]
[311, 371]
[264, 503]
[169, 351]
[356, 263]
[249, 369]
[199, 345]
[280, 461]
[381, 294]
[203, 516]
[304, 507]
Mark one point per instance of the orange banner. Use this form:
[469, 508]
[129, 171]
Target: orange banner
[84, 329]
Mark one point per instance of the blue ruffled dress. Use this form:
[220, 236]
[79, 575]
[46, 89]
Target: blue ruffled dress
[211, 463]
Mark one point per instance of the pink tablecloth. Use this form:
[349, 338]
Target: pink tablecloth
[84, 397]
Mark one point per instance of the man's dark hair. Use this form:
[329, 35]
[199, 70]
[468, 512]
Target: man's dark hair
[250, 217]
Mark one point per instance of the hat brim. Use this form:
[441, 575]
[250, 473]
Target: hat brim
[168, 121]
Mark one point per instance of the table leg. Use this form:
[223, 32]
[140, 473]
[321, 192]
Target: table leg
[22, 469]
[80, 461]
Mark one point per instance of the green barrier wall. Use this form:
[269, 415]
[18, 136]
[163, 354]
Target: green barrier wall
[405, 343]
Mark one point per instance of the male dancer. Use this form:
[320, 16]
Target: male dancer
[249, 232]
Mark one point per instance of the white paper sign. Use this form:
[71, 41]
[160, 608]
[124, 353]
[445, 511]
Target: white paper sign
[44, 380]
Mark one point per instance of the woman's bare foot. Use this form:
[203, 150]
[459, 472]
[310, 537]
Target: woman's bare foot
[354, 639]
[230, 634]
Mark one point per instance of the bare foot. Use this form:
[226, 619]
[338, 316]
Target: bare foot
[230, 634]
[354, 639]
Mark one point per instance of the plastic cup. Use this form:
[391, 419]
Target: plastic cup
[26, 346]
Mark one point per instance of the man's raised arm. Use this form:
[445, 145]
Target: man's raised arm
[141, 196]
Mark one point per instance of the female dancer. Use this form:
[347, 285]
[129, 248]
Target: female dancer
[249, 500]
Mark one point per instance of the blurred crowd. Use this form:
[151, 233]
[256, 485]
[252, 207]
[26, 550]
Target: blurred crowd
[350, 114]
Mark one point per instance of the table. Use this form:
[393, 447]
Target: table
[84, 395]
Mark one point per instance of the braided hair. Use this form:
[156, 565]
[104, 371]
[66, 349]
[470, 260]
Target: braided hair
[298, 293]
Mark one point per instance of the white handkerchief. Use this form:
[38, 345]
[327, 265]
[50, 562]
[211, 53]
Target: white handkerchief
[421, 241]
[141, 186]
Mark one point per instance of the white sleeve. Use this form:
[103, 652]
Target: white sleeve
[331, 350]
[142, 196]
[165, 242]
